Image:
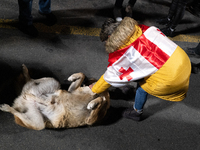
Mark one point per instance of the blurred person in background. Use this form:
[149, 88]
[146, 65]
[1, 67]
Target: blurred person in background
[117, 11]
[175, 15]
[26, 19]
[194, 8]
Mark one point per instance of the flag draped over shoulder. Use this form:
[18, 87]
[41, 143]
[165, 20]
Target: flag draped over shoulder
[146, 55]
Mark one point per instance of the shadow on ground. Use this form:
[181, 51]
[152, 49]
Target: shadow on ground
[10, 85]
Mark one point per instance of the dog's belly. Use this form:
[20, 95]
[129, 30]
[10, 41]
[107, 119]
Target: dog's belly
[82, 95]
[79, 101]
[85, 90]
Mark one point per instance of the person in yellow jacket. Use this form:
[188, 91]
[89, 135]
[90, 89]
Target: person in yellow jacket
[144, 54]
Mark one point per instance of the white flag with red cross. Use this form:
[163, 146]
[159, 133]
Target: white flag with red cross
[140, 59]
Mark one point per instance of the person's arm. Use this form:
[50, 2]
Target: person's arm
[100, 86]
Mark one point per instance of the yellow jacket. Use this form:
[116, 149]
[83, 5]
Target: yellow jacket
[170, 82]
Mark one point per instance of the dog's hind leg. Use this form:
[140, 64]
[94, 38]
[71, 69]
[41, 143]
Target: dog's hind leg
[31, 119]
[77, 80]
[26, 73]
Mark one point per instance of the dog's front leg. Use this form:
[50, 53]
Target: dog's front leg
[95, 103]
[95, 106]
[76, 80]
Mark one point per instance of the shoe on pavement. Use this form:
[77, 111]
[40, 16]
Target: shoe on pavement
[132, 114]
[191, 52]
[29, 30]
[168, 31]
[195, 68]
[50, 18]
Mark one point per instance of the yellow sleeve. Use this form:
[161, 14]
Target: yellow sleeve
[100, 86]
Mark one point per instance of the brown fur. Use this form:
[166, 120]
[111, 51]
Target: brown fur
[42, 104]
[107, 28]
[119, 33]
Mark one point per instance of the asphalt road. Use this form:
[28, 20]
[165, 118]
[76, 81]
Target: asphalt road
[73, 45]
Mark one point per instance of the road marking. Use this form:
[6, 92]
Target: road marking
[87, 31]
[64, 29]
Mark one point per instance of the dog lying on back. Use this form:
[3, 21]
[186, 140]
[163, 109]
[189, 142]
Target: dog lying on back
[42, 104]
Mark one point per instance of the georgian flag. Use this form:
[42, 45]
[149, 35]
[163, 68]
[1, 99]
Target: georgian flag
[142, 58]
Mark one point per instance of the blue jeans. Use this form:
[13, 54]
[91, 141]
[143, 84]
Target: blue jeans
[140, 99]
[25, 9]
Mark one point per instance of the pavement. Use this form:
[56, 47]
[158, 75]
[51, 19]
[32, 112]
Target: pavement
[73, 45]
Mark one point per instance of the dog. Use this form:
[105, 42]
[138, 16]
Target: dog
[43, 104]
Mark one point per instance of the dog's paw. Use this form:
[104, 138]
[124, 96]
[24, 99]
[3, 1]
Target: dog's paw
[76, 76]
[104, 98]
[92, 105]
[5, 107]
[73, 78]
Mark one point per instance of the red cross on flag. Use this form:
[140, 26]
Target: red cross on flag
[125, 73]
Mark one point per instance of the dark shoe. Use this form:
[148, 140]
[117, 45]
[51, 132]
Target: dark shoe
[168, 31]
[117, 12]
[164, 21]
[129, 10]
[196, 68]
[191, 52]
[29, 30]
[132, 114]
[50, 19]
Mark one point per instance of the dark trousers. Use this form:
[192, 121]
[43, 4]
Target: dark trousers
[119, 3]
[177, 11]
[25, 9]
